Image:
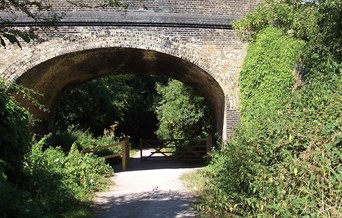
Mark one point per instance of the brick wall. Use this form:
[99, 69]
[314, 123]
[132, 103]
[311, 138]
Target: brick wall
[216, 51]
[208, 7]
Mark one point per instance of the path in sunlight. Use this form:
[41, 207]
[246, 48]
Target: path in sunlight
[148, 189]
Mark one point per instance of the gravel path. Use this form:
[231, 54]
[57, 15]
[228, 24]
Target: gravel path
[148, 189]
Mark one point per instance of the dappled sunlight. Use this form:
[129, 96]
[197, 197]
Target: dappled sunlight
[153, 203]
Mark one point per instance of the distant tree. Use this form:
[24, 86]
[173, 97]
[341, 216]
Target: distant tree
[88, 107]
[123, 100]
[181, 111]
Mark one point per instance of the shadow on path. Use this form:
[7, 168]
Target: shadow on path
[148, 189]
[147, 204]
[153, 163]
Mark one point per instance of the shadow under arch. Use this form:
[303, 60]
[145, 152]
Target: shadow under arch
[53, 76]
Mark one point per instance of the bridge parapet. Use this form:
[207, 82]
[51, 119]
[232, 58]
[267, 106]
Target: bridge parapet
[132, 18]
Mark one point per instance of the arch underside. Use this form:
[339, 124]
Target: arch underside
[53, 76]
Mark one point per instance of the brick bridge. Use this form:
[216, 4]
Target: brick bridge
[191, 41]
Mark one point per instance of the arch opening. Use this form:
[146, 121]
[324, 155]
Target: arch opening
[55, 75]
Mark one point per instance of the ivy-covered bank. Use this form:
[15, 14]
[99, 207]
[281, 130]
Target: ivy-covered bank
[285, 160]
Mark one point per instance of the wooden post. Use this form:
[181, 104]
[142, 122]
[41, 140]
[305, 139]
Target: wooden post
[125, 153]
[209, 145]
[141, 148]
[127, 149]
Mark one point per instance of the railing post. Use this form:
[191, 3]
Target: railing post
[125, 153]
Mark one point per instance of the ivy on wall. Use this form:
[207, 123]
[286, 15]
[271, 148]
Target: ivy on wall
[285, 159]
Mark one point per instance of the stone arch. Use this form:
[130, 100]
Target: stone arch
[38, 66]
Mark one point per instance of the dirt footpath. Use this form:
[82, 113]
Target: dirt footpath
[148, 189]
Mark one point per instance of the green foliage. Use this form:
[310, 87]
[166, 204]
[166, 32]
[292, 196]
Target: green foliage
[271, 59]
[89, 107]
[55, 183]
[122, 100]
[37, 183]
[34, 10]
[15, 139]
[285, 158]
[139, 120]
[181, 112]
[319, 23]
[324, 46]
[45, 181]
[86, 173]
[37, 11]
[292, 16]
[83, 139]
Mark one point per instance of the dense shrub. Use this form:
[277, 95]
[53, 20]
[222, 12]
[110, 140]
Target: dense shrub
[82, 174]
[54, 183]
[42, 183]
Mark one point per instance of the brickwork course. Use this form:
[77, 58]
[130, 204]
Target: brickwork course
[191, 41]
